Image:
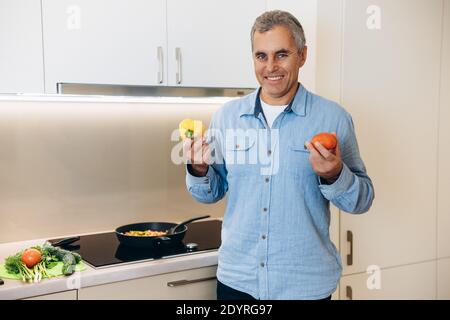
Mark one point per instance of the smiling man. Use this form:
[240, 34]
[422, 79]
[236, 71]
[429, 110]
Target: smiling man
[275, 232]
[277, 60]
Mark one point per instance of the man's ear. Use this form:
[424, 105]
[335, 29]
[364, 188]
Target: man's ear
[303, 55]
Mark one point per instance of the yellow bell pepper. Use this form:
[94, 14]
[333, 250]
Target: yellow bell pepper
[191, 128]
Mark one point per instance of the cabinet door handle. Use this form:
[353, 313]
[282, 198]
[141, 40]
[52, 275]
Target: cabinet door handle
[349, 292]
[350, 255]
[160, 65]
[186, 282]
[178, 57]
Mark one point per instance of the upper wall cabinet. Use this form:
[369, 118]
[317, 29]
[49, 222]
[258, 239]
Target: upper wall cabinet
[209, 42]
[104, 42]
[21, 63]
[200, 43]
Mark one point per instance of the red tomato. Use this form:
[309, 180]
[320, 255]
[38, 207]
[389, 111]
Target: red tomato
[326, 139]
[31, 257]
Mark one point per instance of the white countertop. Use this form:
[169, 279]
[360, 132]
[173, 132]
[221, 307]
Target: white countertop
[15, 289]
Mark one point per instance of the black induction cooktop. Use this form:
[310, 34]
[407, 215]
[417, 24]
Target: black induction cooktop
[103, 249]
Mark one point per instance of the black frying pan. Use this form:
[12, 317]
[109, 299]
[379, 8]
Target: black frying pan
[148, 242]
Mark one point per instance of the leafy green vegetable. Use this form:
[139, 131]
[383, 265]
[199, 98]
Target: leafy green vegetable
[68, 259]
[50, 257]
[14, 264]
[77, 257]
[68, 269]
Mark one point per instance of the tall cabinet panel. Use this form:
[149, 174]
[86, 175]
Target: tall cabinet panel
[329, 48]
[328, 72]
[443, 279]
[444, 170]
[21, 61]
[444, 143]
[104, 41]
[391, 63]
[210, 46]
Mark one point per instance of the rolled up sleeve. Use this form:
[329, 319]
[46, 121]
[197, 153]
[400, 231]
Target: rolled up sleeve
[353, 191]
[210, 188]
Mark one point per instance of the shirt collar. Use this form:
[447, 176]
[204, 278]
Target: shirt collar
[297, 105]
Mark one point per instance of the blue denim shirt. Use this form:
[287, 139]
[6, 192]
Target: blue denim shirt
[275, 233]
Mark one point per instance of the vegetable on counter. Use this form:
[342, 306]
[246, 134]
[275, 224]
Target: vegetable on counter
[191, 128]
[33, 263]
[31, 257]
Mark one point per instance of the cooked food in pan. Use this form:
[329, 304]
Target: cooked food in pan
[146, 233]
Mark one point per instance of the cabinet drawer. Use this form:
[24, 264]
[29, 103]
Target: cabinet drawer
[410, 282]
[65, 295]
[190, 284]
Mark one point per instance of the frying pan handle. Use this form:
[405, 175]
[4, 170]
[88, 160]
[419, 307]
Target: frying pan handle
[194, 219]
[186, 222]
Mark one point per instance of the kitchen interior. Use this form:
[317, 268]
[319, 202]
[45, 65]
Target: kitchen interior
[91, 95]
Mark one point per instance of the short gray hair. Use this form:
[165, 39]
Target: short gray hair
[268, 20]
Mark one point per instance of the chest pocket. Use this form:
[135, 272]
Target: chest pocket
[241, 157]
[297, 162]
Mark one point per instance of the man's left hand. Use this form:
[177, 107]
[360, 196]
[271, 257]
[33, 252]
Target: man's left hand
[327, 164]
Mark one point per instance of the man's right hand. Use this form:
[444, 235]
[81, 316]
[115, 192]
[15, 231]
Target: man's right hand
[196, 152]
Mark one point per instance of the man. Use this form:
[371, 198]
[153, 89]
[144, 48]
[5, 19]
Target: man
[275, 234]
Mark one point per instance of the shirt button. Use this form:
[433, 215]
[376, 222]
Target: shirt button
[265, 209]
[267, 180]
[263, 237]
[269, 152]
[262, 264]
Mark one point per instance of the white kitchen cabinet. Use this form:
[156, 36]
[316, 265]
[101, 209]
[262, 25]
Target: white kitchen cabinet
[391, 87]
[444, 143]
[21, 60]
[138, 42]
[209, 42]
[443, 279]
[65, 295]
[190, 284]
[410, 282]
[104, 42]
